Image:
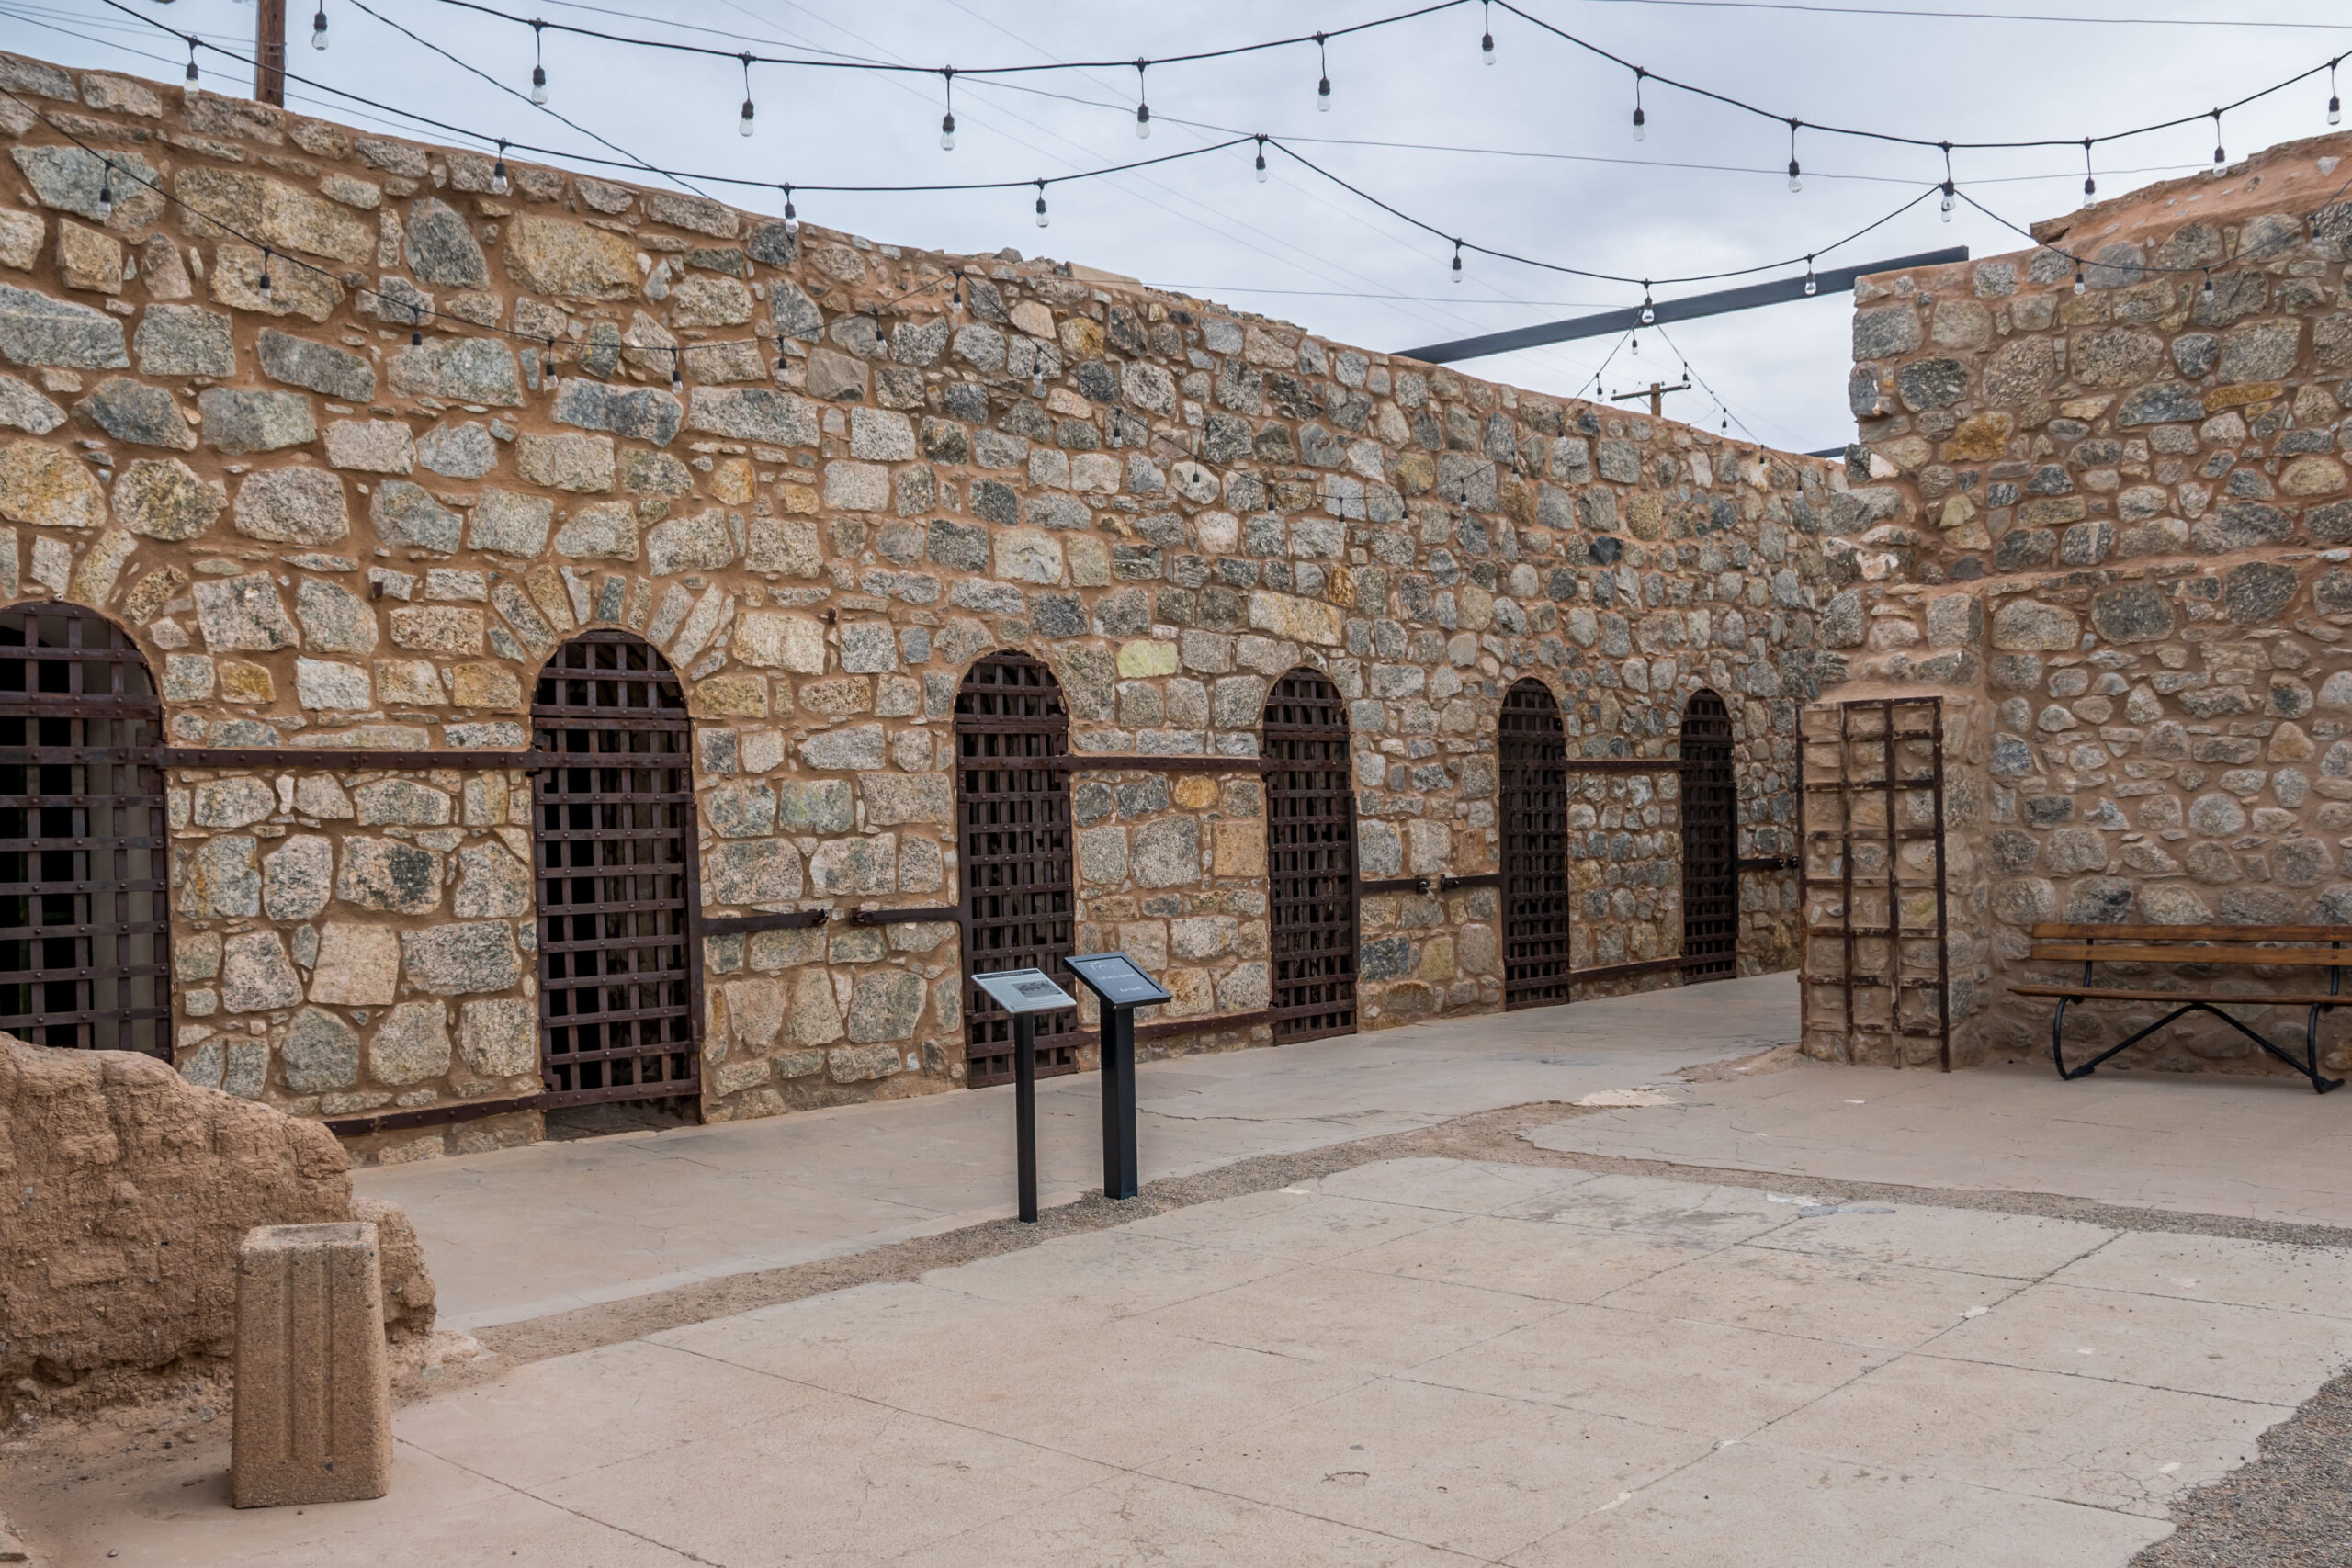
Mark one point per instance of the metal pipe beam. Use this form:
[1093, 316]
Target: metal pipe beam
[1836, 280]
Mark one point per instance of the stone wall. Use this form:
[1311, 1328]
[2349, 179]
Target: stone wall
[2107, 520]
[824, 476]
[129, 1190]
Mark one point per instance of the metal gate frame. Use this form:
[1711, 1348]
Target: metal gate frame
[1310, 858]
[1836, 760]
[1532, 749]
[80, 760]
[1017, 854]
[1710, 813]
[595, 698]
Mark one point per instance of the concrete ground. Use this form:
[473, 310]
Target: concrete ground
[522, 1233]
[1386, 1325]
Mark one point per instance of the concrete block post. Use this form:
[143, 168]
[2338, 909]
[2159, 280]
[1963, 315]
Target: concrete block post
[314, 1403]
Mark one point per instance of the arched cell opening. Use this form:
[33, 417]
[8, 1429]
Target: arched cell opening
[1013, 853]
[620, 973]
[1535, 847]
[84, 936]
[1310, 858]
[1709, 843]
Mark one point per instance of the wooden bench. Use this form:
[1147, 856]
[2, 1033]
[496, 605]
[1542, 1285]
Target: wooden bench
[2303, 948]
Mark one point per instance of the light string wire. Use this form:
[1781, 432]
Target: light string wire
[788, 187]
[1641, 75]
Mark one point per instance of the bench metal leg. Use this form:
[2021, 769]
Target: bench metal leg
[2309, 1067]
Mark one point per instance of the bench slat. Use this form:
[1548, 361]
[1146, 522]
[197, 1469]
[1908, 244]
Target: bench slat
[2231, 957]
[2097, 992]
[2047, 929]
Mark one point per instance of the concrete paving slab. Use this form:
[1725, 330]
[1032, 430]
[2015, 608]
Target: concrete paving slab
[1317, 1313]
[1531, 1258]
[519, 1234]
[1105, 1276]
[1880, 1305]
[2011, 1246]
[1745, 1507]
[2220, 1269]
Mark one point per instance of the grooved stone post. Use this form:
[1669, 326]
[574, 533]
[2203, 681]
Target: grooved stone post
[314, 1405]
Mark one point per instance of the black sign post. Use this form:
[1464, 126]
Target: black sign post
[1025, 993]
[1119, 987]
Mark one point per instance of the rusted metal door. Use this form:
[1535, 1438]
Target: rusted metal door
[1310, 858]
[1709, 843]
[1870, 804]
[1535, 847]
[85, 937]
[620, 971]
[1013, 805]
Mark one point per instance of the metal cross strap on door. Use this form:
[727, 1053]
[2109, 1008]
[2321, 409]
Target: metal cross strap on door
[1536, 895]
[85, 937]
[1871, 806]
[1709, 843]
[1310, 858]
[620, 970]
[1014, 855]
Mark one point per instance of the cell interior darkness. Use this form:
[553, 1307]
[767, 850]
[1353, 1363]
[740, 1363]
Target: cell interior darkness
[1013, 817]
[1709, 843]
[1310, 858]
[620, 977]
[1535, 848]
[85, 938]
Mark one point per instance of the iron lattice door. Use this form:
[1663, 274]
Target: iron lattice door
[620, 972]
[1310, 858]
[1012, 803]
[85, 938]
[1535, 848]
[1709, 843]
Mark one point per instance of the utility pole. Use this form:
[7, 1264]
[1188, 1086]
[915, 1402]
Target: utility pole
[1655, 394]
[269, 51]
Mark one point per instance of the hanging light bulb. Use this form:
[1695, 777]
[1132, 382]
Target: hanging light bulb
[1143, 107]
[1649, 313]
[1796, 175]
[319, 27]
[539, 63]
[2090, 182]
[2079, 283]
[1042, 221]
[1486, 44]
[191, 57]
[1946, 205]
[2220, 157]
[105, 192]
[1457, 261]
[782, 363]
[744, 121]
[551, 372]
[676, 381]
[1812, 284]
[265, 254]
[791, 218]
[2209, 287]
[1323, 87]
[1261, 160]
[1641, 120]
[499, 184]
[947, 120]
[2334, 104]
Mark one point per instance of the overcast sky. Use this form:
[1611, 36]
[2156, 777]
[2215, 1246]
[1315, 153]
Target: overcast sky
[1540, 160]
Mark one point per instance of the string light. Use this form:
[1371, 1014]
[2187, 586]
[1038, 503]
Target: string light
[1952, 196]
[1261, 160]
[319, 27]
[1649, 311]
[551, 371]
[2209, 285]
[2079, 283]
[499, 184]
[2090, 182]
[538, 62]
[1796, 175]
[743, 123]
[2334, 104]
[791, 218]
[1143, 105]
[1812, 284]
[1486, 44]
[265, 254]
[1457, 261]
[105, 192]
[677, 381]
[415, 325]
[947, 120]
[1323, 87]
[1641, 119]
[2220, 157]
[1042, 221]
[191, 57]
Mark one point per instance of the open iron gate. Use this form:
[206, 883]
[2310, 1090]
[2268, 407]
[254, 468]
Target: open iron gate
[85, 937]
[1535, 847]
[1709, 843]
[1871, 818]
[1310, 858]
[620, 972]
[1014, 855]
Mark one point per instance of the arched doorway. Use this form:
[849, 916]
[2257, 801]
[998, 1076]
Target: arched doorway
[1013, 854]
[620, 974]
[1535, 847]
[1709, 843]
[1310, 858]
[84, 936]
